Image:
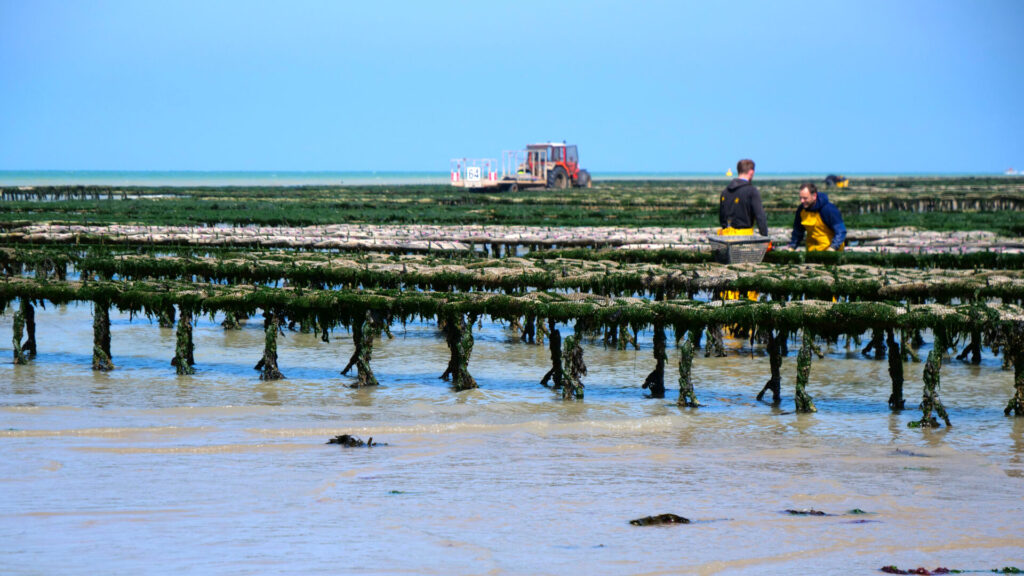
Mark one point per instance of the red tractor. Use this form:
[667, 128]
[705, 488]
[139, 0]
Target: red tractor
[558, 165]
[547, 165]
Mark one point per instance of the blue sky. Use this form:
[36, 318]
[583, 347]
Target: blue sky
[851, 87]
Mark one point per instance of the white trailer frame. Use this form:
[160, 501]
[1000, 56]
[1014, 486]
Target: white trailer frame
[519, 169]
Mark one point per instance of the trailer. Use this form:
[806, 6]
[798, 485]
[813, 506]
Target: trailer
[545, 165]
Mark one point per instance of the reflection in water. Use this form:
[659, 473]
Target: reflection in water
[220, 472]
[1016, 463]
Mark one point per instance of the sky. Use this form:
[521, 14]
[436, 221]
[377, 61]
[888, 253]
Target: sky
[863, 86]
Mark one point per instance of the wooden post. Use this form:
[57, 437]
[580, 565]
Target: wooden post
[459, 335]
[877, 344]
[529, 330]
[930, 397]
[101, 337]
[555, 345]
[166, 317]
[268, 364]
[655, 381]
[896, 402]
[775, 340]
[231, 321]
[365, 329]
[19, 330]
[687, 396]
[1016, 404]
[973, 349]
[29, 312]
[804, 402]
[573, 367]
[1013, 351]
[624, 338]
[184, 360]
[714, 344]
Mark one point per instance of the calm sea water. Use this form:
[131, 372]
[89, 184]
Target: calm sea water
[140, 471]
[326, 178]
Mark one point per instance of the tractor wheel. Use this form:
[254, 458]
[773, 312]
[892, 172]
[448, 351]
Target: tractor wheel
[511, 187]
[583, 179]
[558, 179]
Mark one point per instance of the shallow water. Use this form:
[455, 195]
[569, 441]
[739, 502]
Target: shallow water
[142, 471]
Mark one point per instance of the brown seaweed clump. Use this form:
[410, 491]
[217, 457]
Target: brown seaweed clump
[939, 570]
[807, 512]
[350, 441]
[659, 520]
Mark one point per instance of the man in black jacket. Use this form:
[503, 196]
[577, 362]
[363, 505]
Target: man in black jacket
[740, 205]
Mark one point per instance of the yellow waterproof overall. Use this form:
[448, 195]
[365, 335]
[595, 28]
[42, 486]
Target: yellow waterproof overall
[818, 236]
[732, 294]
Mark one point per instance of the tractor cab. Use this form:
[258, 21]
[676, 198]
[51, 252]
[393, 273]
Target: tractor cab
[556, 163]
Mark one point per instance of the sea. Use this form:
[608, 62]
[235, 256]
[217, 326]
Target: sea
[142, 471]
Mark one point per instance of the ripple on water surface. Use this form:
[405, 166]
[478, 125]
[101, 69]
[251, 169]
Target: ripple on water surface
[220, 472]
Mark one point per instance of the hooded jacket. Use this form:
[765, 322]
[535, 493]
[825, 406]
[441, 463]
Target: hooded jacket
[822, 222]
[740, 207]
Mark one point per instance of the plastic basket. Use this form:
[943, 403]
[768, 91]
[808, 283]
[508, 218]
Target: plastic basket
[738, 249]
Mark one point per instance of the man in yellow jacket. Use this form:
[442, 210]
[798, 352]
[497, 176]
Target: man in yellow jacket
[817, 220]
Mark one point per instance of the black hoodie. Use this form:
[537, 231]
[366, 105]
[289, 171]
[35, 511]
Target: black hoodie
[740, 206]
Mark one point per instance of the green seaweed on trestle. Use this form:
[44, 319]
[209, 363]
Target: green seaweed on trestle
[29, 313]
[714, 344]
[459, 337]
[930, 401]
[554, 375]
[573, 367]
[268, 364]
[1008, 337]
[775, 340]
[655, 381]
[19, 330]
[366, 327]
[804, 402]
[101, 360]
[184, 348]
[687, 395]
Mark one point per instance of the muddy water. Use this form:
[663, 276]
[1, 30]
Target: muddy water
[142, 471]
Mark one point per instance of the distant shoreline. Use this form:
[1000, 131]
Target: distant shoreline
[176, 178]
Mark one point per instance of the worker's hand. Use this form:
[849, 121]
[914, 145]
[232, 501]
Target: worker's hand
[830, 249]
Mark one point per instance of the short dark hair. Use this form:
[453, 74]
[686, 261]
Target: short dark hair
[744, 166]
[810, 187]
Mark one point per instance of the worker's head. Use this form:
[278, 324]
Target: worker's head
[808, 194]
[745, 168]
